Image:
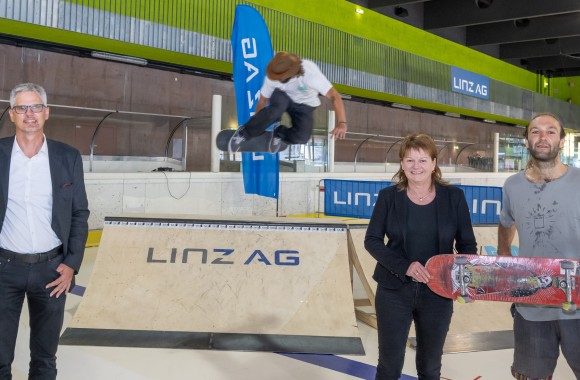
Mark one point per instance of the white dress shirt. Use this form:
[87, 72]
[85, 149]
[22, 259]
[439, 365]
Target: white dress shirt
[27, 225]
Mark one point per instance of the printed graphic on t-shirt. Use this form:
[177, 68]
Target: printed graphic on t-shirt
[541, 226]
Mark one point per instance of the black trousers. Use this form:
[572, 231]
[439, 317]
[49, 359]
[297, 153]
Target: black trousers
[396, 308]
[18, 279]
[301, 115]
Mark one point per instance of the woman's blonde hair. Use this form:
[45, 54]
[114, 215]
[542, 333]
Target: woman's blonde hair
[417, 142]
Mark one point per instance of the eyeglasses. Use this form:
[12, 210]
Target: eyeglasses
[36, 108]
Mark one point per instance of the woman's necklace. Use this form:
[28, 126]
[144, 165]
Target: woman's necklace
[421, 199]
[424, 197]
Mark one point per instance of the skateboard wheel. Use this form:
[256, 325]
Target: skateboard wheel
[569, 307]
[464, 299]
[563, 284]
[461, 260]
[567, 265]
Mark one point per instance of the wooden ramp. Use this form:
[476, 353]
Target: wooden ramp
[262, 285]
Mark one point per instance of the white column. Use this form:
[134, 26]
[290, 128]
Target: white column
[216, 126]
[496, 152]
[330, 158]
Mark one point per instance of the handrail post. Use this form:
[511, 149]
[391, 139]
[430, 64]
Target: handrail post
[330, 157]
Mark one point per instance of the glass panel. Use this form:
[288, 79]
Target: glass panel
[6, 126]
[571, 153]
[513, 154]
[115, 141]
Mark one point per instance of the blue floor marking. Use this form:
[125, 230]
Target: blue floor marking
[342, 365]
[78, 290]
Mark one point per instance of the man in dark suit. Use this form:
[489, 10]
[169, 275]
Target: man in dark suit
[43, 231]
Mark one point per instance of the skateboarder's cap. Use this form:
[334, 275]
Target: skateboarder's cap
[283, 66]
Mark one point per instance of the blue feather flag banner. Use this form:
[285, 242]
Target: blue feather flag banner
[252, 50]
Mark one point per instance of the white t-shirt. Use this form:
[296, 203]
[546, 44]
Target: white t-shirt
[303, 89]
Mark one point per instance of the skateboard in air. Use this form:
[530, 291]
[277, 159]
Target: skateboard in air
[540, 281]
[257, 144]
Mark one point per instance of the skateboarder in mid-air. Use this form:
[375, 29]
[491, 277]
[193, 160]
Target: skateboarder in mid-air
[291, 85]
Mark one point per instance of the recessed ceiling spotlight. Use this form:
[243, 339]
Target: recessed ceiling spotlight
[401, 12]
[522, 22]
[483, 4]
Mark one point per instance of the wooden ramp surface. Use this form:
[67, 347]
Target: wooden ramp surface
[269, 284]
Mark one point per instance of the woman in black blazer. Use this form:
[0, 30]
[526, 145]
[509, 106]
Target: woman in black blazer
[421, 216]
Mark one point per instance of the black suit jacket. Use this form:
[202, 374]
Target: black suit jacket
[69, 199]
[389, 219]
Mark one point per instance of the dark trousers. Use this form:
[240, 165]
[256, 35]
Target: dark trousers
[538, 345]
[301, 115]
[18, 279]
[396, 309]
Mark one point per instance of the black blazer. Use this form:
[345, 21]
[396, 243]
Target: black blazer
[389, 219]
[69, 199]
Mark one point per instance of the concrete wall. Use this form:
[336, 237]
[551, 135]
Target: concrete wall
[113, 194]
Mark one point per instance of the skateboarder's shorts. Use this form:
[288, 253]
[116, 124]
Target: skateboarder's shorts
[537, 346]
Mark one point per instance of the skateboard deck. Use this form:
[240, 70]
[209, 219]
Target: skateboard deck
[540, 281]
[257, 144]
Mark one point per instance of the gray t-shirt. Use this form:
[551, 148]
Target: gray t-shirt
[547, 219]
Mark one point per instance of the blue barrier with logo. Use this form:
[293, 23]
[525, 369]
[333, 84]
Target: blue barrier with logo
[356, 199]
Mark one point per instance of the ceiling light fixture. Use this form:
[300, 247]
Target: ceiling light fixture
[483, 4]
[119, 58]
[401, 12]
[522, 22]
[360, 11]
[402, 106]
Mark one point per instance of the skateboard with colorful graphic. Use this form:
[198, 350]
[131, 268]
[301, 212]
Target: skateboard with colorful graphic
[257, 144]
[540, 281]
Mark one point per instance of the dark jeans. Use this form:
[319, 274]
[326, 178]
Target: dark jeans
[396, 309]
[301, 115]
[46, 315]
[538, 344]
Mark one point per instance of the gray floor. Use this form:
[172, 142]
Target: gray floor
[472, 324]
